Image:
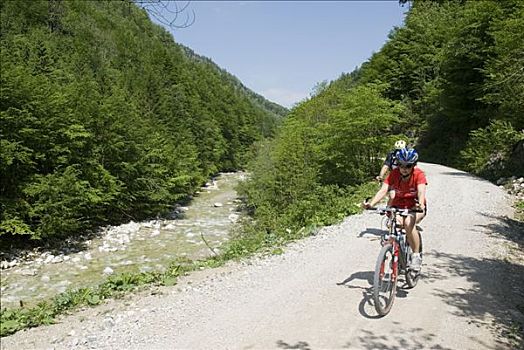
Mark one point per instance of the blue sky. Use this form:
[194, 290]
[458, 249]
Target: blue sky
[281, 49]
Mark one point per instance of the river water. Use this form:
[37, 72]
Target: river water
[135, 246]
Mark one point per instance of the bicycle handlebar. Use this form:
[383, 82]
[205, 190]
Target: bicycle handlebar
[386, 209]
[383, 210]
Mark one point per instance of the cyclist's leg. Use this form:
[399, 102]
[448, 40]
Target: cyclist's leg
[412, 233]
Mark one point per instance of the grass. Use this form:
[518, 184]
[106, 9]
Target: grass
[519, 211]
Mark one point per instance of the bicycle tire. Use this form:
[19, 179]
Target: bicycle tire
[384, 283]
[412, 277]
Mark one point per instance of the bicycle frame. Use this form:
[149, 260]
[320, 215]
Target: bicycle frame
[394, 256]
[397, 238]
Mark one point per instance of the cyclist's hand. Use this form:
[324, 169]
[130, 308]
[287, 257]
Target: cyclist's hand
[419, 207]
[379, 178]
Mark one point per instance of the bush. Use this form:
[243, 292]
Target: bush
[488, 152]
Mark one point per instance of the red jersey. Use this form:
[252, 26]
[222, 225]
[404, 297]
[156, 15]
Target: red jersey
[405, 191]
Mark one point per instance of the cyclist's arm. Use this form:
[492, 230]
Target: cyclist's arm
[421, 195]
[379, 195]
[382, 173]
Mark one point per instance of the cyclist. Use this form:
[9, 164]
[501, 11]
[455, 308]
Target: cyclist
[391, 160]
[406, 185]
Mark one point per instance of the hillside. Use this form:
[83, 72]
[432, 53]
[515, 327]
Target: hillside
[256, 98]
[449, 81]
[105, 118]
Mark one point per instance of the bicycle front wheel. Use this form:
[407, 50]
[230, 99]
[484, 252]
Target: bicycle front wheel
[385, 280]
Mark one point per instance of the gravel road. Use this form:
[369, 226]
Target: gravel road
[317, 294]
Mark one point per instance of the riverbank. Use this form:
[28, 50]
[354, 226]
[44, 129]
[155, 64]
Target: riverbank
[189, 232]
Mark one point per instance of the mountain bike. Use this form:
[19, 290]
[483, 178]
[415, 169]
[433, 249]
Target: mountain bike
[394, 259]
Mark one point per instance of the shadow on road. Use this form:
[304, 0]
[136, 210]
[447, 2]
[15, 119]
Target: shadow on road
[366, 306]
[372, 232]
[512, 230]
[301, 345]
[496, 298]
[361, 275]
[402, 338]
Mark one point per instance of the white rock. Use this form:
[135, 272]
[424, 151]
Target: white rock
[57, 259]
[108, 322]
[155, 233]
[233, 217]
[45, 279]
[108, 271]
[218, 205]
[29, 272]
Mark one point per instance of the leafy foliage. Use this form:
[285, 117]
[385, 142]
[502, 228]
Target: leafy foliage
[489, 149]
[105, 118]
[455, 66]
[449, 80]
[325, 148]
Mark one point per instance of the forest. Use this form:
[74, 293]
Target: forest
[106, 119]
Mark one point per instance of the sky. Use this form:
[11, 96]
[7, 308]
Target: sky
[282, 49]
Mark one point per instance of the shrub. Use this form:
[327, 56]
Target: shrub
[488, 151]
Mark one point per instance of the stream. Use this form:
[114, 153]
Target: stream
[131, 247]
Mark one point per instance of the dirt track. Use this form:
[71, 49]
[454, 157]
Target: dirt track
[317, 294]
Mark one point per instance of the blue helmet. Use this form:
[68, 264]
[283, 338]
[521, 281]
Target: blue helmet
[407, 156]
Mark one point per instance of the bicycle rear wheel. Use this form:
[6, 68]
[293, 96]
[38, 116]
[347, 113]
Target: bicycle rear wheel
[412, 277]
[385, 280]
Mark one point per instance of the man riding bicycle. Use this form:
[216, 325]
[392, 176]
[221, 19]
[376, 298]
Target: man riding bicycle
[407, 188]
[391, 160]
